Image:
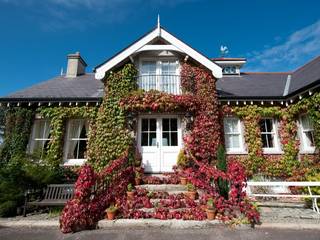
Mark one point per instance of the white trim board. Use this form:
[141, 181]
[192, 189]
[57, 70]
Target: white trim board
[101, 70]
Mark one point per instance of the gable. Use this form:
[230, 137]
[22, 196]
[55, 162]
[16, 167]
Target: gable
[156, 40]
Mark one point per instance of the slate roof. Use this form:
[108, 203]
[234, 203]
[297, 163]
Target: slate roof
[306, 75]
[247, 85]
[260, 85]
[81, 87]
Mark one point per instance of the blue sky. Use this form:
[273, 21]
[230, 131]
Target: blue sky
[36, 35]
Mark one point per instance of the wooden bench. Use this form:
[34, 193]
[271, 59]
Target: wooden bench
[52, 195]
[308, 185]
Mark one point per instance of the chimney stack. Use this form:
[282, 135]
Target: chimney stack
[76, 65]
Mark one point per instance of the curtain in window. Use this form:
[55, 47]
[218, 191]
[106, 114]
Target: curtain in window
[232, 133]
[40, 135]
[77, 139]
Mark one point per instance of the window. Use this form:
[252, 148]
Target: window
[229, 70]
[40, 136]
[233, 135]
[159, 75]
[268, 134]
[149, 132]
[307, 132]
[76, 142]
[169, 132]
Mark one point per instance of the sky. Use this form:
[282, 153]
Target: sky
[37, 35]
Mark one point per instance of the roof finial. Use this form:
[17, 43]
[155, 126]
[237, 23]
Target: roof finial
[158, 26]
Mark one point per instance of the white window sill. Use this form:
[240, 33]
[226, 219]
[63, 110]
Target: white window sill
[74, 162]
[240, 152]
[272, 151]
[308, 151]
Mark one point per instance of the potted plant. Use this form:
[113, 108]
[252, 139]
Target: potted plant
[183, 180]
[130, 193]
[137, 178]
[211, 209]
[111, 212]
[192, 193]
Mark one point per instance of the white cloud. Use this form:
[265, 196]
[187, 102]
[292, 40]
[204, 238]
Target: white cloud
[299, 47]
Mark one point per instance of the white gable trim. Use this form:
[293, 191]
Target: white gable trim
[140, 45]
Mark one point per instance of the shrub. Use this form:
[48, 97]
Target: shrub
[182, 160]
[223, 185]
[25, 172]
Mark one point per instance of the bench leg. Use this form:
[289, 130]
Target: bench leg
[315, 205]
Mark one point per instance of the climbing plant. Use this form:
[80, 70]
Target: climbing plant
[286, 164]
[205, 135]
[109, 137]
[18, 123]
[58, 117]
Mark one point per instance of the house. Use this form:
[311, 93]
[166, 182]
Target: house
[158, 56]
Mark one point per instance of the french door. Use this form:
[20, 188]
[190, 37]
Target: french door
[160, 142]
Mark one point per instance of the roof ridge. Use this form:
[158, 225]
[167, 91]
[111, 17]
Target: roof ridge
[307, 64]
[248, 73]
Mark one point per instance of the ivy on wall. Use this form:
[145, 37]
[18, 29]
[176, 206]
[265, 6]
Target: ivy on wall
[58, 117]
[205, 137]
[109, 137]
[18, 123]
[286, 164]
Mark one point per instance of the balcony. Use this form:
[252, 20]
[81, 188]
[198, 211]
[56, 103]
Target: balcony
[165, 83]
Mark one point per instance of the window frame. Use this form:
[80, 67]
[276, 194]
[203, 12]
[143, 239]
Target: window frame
[73, 161]
[159, 61]
[276, 149]
[241, 149]
[31, 149]
[304, 148]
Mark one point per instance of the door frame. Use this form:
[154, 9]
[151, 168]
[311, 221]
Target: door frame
[159, 131]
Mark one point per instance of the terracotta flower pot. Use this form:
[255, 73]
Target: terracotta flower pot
[137, 181]
[192, 195]
[183, 181]
[211, 214]
[111, 215]
[130, 195]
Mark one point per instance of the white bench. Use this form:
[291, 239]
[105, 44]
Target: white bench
[286, 184]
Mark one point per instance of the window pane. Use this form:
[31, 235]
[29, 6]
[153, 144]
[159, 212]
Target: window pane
[231, 125]
[144, 125]
[165, 139]
[74, 129]
[153, 124]
[153, 139]
[148, 67]
[82, 150]
[309, 139]
[72, 149]
[306, 122]
[235, 141]
[269, 125]
[174, 124]
[267, 141]
[174, 139]
[144, 139]
[263, 126]
[83, 133]
[165, 124]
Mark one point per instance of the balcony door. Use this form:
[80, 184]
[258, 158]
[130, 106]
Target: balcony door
[159, 142]
[161, 75]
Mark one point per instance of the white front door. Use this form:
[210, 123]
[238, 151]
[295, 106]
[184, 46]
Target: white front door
[159, 142]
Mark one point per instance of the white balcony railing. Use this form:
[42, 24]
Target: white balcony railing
[164, 83]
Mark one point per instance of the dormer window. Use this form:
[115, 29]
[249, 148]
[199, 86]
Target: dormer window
[161, 75]
[230, 70]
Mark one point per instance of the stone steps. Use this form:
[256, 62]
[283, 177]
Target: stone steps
[170, 188]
